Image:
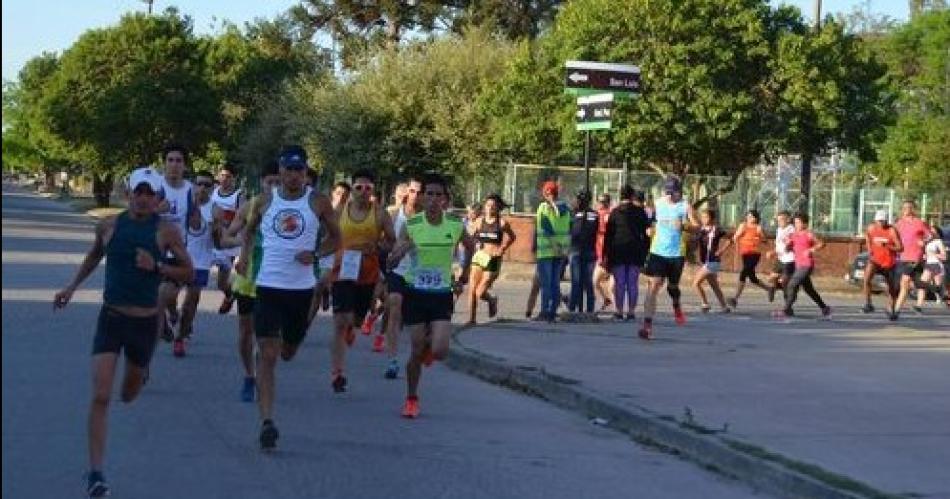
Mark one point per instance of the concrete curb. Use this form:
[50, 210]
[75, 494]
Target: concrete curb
[764, 471]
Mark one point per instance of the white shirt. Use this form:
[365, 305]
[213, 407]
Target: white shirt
[198, 240]
[287, 228]
[932, 251]
[783, 236]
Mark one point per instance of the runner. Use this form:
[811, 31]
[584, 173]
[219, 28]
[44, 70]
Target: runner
[883, 244]
[379, 341]
[913, 232]
[494, 236]
[199, 246]
[626, 245]
[364, 227]
[934, 269]
[602, 275]
[245, 292]
[226, 200]
[174, 206]
[288, 218]
[673, 215]
[748, 238]
[132, 243]
[784, 265]
[804, 246]
[427, 308]
[553, 223]
[341, 194]
[709, 236]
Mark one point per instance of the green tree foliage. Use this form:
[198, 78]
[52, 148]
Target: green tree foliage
[513, 19]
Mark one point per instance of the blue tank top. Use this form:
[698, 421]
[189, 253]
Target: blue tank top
[667, 239]
[127, 285]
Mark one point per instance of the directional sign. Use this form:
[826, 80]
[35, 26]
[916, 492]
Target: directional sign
[594, 111]
[585, 78]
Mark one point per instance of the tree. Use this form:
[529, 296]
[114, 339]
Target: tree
[513, 19]
[122, 92]
[918, 7]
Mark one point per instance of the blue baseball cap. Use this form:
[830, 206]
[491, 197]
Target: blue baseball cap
[672, 184]
[294, 157]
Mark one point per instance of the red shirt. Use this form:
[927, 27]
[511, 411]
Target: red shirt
[603, 215]
[912, 232]
[881, 242]
[802, 242]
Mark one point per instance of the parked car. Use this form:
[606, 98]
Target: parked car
[855, 274]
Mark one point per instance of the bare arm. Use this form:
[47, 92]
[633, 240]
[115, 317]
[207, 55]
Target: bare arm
[169, 239]
[323, 208]
[403, 246]
[253, 223]
[509, 239]
[897, 244]
[389, 234]
[739, 231]
[93, 258]
[468, 242]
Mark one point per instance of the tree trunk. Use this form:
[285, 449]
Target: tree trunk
[102, 189]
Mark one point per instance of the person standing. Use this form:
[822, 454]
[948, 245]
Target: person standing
[553, 223]
[133, 244]
[710, 253]
[749, 236]
[428, 304]
[625, 249]
[913, 232]
[664, 265]
[883, 245]
[584, 224]
[288, 219]
[804, 246]
[494, 236]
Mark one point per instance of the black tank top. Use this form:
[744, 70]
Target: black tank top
[126, 284]
[489, 234]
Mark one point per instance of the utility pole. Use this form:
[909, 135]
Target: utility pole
[807, 155]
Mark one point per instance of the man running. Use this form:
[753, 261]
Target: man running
[804, 245]
[883, 244]
[396, 278]
[132, 243]
[288, 218]
[672, 216]
[226, 200]
[429, 302]
[364, 227]
[175, 205]
[199, 245]
[913, 232]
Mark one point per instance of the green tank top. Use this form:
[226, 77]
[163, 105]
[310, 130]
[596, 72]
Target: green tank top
[126, 284]
[431, 269]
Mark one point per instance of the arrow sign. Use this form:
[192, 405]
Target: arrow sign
[586, 77]
[594, 112]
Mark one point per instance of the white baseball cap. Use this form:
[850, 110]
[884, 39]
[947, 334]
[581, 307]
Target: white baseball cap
[880, 216]
[145, 175]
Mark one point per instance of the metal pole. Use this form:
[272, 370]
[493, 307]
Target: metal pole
[587, 160]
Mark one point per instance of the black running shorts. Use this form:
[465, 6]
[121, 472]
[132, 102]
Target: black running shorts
[424, 308]
[350, 297]
[669, 268]
[116, 331]
[282, 313]
[245, 304]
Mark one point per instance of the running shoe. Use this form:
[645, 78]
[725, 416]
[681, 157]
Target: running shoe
[867, 309]
[892, 316]
[368, 323]
[646, 332]
[732, 302]
[679, 316]
[781, 315]
[607, 304]
[725, 310]
[411, 408]
[704, 308]
[226, 304]
[492, 307]
[630, 317]
[392, 371]
[96, 485]
[427, 356]
[248, 390]
[918, 310]
[826, 313]
[339, 383]
[772, 293]
[379, 343]
[178, 348]
[349, 336]
[618, 317]
[269, 435]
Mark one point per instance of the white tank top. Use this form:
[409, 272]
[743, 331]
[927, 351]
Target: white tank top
[199, 240]
[782, 238]
[287, 228]
[228, 204]
[399, 225]
[179, 200]
[933, 251]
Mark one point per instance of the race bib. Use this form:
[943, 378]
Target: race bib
[429, 279]
[481, 258]
[350, 268]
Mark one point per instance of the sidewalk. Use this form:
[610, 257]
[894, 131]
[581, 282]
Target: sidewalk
[858, 396]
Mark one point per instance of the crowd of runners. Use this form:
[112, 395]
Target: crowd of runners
[286, 254]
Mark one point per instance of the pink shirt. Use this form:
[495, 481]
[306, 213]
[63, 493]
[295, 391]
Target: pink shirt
[912, 232]
[801, 243]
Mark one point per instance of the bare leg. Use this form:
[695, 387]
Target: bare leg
[133, 381]
[925, 278]
[419, 334]
[713, 280]
[533, 295]
[476, 280]
[188, 310]
[341, 324]
[649, 305]
[906, 282]
[269, 348]
[394, 324]
[246, 343]
[103, 373]
[698, 284]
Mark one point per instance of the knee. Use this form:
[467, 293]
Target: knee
[100, 398]
[268, 356]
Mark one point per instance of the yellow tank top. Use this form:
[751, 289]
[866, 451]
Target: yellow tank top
[359, 233]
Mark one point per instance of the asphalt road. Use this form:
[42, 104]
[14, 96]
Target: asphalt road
[188, 435]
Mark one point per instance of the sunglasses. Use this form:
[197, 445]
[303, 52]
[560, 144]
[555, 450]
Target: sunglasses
[204, 184]
[363, 187]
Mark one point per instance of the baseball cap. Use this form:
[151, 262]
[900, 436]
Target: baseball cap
[672, 184]
[293, 157]
[880, 216]
[145, 175]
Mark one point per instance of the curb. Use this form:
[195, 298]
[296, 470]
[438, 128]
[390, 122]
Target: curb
[764, 471]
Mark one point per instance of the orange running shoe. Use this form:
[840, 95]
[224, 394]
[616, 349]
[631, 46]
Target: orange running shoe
[379, 343]
[411, 408]
[679, 316]
[349, 336]
[368, 324]
[646, 332]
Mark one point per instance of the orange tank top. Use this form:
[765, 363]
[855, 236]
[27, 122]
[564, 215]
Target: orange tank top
[881, 254]
[750, 240]
[359, 233]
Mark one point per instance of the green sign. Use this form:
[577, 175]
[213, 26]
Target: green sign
[594, 111]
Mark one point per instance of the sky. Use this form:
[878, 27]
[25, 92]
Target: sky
[31, 27]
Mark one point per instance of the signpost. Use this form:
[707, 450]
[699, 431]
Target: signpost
[597, 85]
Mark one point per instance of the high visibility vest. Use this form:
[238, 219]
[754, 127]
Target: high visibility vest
[561, 223]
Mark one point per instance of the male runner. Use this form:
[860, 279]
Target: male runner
[673, 215]
[883, 244]
[288, 218]
[176, 197]
[199, 246]
[364, 227]
[133, 243]
[914, 233]
[226, 199]
[429, 301]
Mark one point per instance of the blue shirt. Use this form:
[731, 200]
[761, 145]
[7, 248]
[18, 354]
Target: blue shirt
[667, 239]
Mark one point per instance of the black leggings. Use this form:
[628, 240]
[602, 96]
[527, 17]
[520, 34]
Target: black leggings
[749, 263]
[801, 279]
